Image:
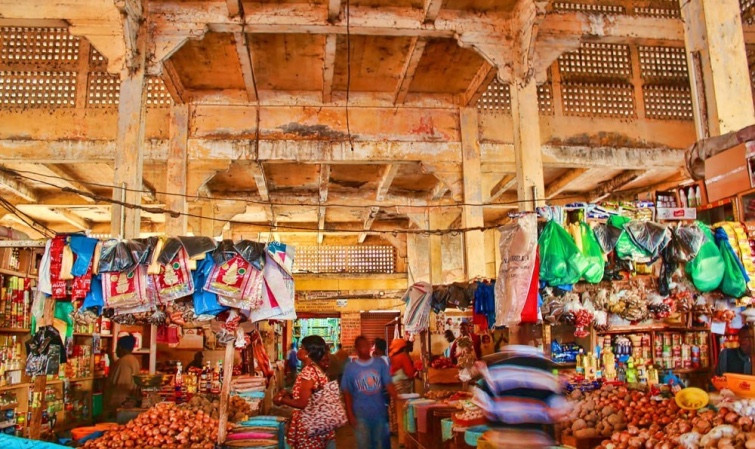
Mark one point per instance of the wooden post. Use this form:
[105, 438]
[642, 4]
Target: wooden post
[225, 392]
[718, 69]
[177, 170]
[527, 151]
[152, 349]
[40, 382]
[474, 241]
[129, 155]
[436, 248]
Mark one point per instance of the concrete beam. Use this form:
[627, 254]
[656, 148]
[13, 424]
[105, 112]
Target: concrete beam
[69, 216]
[506, 183]
[432, 9]
[563, 182]
[612, 185]
[15, 186]
[416, 49]
[69, 178]
[258, 173]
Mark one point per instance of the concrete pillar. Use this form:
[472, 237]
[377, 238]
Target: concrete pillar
[436, 246]
[419, 253]
[474, 241]
[527, 151]
[129, 156]
[718, 70]
[177, 170]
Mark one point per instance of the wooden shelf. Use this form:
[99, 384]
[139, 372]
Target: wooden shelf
[82, 379]
[14, 273]
[141, 351]
[647, 329]
[14, 330]
[8, 406]
[565, 364]
[15, 386]
[689, 370]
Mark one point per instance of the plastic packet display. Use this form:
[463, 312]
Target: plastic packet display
[125, 289]
[251, 298]
[175, 280]
[230, 278]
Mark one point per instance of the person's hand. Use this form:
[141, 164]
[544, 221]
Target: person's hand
[278, 399]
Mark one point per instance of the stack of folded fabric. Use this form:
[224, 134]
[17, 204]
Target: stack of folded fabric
[251, 389]
[259, 432]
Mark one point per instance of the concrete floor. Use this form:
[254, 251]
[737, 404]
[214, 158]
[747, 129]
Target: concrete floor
[345, 439]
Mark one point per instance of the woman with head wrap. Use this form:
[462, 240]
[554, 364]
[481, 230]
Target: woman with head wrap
[314, 355]
[120, 381]
[403, 372]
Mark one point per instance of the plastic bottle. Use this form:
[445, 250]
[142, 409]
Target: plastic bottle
[698, 197]
[581, 362]
[622, 374]
[683, 198]
[691, 197]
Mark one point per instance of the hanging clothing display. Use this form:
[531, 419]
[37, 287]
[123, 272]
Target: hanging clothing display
[417, 299]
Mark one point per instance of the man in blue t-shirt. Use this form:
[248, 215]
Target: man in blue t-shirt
[364, 383]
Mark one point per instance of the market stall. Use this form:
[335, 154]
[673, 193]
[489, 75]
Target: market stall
[88, 292]
[616, 302]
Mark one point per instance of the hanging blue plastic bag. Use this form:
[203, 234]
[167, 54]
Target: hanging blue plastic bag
[205, 303]
[94, 298]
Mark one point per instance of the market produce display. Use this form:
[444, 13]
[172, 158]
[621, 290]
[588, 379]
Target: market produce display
[163, 426]
[442, 362]
[635, 419]
[238, 409]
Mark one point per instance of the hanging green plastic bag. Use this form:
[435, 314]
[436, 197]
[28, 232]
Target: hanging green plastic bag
[735, 279]
[593, 255]
[707, 268]
[625, 248]
[561, 263]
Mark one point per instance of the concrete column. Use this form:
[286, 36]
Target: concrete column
[436, 246]
[474, 241]
[527, 151]
[419, 256]
[718, 70]
[129, 156]
[177, 170]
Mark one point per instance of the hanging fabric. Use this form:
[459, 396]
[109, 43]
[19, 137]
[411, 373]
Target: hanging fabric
[518, 248]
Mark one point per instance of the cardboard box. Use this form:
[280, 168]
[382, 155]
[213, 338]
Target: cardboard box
[726, 174]
[676, 213]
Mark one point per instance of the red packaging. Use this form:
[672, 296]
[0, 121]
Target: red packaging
[174, 280]
[230, 279]
[125, 289]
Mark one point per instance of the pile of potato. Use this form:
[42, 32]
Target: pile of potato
[636, 420]
[163, 426]
[238, 409]
[597, 413]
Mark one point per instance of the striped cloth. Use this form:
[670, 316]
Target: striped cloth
[518, 390]
[417, 314]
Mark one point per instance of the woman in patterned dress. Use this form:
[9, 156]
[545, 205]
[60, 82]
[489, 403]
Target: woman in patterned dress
[313, 354]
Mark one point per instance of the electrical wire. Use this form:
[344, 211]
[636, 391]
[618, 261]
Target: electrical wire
[24, 174]
[348, 73]
[26, 219]
[273, 225]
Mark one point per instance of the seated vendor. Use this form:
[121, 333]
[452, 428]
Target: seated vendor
[736, 359]
[120, 382]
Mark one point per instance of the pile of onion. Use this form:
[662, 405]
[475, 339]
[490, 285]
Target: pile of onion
[162, 426]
